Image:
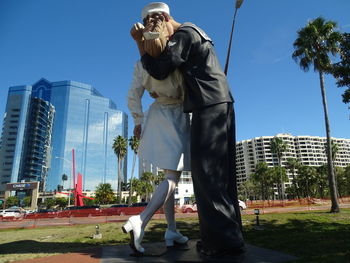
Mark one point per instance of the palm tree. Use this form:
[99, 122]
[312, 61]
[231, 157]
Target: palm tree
[307, 179]
[321, 180]
[247, 190]
[104, 194]
[292, 165]
[341, 70]
[137, 186]
[313, 46]
[346, 175]
[278, 147]
[120, 149]
[147, 179]
[64, 178]
[134, 144]
[160, 176]
[262, 176]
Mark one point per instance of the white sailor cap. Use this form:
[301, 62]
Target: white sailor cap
[155, 7]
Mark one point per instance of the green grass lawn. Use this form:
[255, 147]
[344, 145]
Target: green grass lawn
[316, 236]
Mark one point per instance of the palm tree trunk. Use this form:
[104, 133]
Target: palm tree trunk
[331, 177]
[119, 181]
[132, 175]
[280, 172]
[295, 185]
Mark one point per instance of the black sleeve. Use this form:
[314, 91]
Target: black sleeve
[175, 54]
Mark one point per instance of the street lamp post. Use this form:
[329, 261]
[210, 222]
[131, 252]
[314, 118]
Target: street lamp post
[237, 6]
[70, 181]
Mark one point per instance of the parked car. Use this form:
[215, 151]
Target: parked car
[123, 205]
[81, 211]
[139, 204]
[12, 214]
[190, 208]
[82, 207]
[242, 205]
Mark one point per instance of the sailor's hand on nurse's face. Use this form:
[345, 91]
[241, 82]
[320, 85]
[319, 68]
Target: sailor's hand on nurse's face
[136, 32]
[137, 131]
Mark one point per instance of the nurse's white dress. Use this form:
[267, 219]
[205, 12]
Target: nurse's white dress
[165, 138]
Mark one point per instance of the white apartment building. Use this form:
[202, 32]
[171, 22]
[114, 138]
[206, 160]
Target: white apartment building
[309, 150]
[184, 190]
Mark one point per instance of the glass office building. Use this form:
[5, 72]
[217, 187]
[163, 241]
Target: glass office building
[82, 119]
[35, 156]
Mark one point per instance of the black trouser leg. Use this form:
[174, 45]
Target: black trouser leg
[212, 153]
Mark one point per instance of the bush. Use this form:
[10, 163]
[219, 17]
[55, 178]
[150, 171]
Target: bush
[12, 201]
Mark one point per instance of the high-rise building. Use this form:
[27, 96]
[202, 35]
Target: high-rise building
[44, 122]
[309, 150]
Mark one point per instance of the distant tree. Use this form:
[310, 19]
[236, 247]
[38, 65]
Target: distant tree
[278, 147]
[341, 70]
[136, 186]
[314, 45]
[49, 203]
[27, 201]
[321, 181]
[120, 145]
[247, 190]
[292, 165]
[64, 179]
[61, 202]
[159, 177]
[262, 177]
[192, 199]
[346, 176]
[12, 201]
[134, 144]
[104, 194]
[306, 181]
[134, 199]
[88, 201]
[341, 181]
[125, 186]
[279, 177]
[147, 180]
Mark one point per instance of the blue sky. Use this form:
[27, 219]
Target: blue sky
[89, 41]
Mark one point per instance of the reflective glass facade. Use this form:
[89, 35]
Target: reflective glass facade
[13, 131]
[36, 151]
[87, 122]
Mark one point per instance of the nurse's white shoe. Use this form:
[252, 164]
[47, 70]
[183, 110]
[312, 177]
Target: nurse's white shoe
[174, 237]
[133, 226]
